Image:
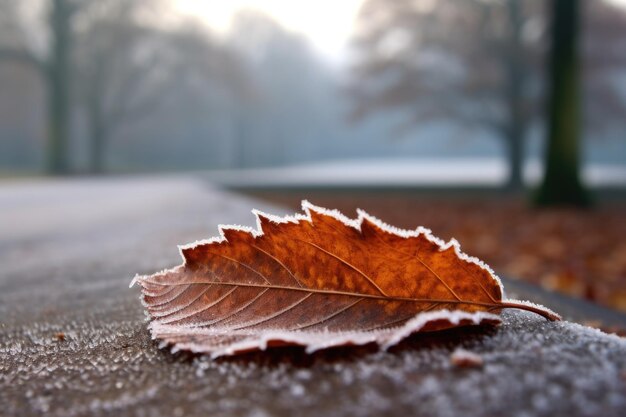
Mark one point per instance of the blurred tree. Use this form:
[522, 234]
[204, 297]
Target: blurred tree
[54, 66]
[111, 61]
[128, 68]
[477, 63]
[58, 71]
[109, 73]
[474, 62]
[602, 46]
[561, 183]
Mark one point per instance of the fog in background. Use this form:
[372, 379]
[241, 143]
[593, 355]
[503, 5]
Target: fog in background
[148, 87]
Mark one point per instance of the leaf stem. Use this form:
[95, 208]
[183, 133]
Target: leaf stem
[544, 312]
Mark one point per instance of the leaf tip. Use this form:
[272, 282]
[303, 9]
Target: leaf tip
[264, 221]
[134, 281]
[306, 204]
[235, 233]
[316, 213]
[270, 220]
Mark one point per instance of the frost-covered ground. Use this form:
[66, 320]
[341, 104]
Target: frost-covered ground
[73, 339]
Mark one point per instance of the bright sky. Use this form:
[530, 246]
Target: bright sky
[326, 23]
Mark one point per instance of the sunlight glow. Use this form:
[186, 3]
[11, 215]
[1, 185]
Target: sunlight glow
[326, 23]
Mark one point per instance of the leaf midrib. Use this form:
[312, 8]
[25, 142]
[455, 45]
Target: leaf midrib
[333, 292]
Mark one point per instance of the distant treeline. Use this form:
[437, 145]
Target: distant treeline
[112, 85]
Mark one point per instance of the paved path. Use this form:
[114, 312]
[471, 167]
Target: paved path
[73, 339]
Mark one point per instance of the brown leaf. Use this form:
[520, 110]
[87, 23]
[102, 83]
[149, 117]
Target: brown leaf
[318, 280]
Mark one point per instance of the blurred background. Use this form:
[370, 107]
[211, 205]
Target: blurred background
[499, 122]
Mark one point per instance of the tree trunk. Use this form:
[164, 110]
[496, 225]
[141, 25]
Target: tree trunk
[98, 129]
[561, 182]
[515, 180]
[98, 151]
[515, 79]
[58, 75]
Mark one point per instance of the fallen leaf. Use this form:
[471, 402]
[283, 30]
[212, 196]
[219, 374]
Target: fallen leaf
[318, 280]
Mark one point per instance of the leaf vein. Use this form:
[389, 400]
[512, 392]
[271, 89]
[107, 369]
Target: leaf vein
[274, 315]
[280, 263]
[330, 316]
